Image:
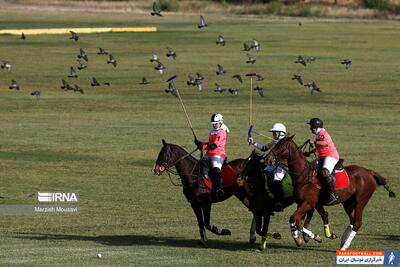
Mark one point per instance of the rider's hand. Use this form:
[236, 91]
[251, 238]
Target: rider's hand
[198, 144]
[211, 146]
[250, 140]
[312, 142]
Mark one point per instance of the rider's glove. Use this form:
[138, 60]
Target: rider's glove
[211, 146]
[198, 144]
[250, 140]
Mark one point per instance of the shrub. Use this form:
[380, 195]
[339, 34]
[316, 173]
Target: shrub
[376, 4]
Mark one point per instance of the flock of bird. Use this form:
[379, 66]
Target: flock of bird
[197, 81]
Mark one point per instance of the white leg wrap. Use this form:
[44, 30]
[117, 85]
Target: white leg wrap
[293, 229]
[346, 235]
[308, 232]
[348, 240]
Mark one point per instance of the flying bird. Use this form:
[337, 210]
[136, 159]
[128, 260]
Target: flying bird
[297, 78]
[191, 80]
[260, 90]
[233, 91]
[154, 57]
[36, 93]
[219, 89]
[82, 64]
[172, 89]
[220, 70]
[246, 47]
[301, 60]
[112, 60]
[144, 81]
[199, 76]
[250, 59]
[74, 36]
[6, 65]
[256, 45]
[94, 82]
[259, 77]
[160, 67]
[102, 51]
[312, 87]
[238, 77]
[220, 40]
[23, 36]
[347, 62]
[72, 73]
[310, 60]
[82, 55]
[199, 85]
[77, 89]
[156, 11]
[202, 23]
[65, 85]
[14, 85]
[171, 53]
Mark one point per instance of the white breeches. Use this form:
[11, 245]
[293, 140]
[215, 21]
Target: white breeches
[215, 161]
[329, 163]
[278, 172]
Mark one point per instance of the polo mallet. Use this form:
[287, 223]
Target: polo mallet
[172, 79]
[251, 75]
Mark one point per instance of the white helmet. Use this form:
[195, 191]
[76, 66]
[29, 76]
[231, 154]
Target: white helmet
[279, 127]
[216, 118]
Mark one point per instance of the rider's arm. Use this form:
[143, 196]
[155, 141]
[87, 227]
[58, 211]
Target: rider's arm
[263, 147]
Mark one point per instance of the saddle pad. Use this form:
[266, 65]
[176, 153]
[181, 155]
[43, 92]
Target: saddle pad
[342, 180]
[228, 175]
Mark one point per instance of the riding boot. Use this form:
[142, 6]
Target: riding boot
[278, 193]
[330, 180]
[218, 182]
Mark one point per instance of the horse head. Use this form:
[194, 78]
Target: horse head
[281, 151]
[165, 159]
[251, 173]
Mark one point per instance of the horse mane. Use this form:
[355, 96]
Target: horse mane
[180, 149]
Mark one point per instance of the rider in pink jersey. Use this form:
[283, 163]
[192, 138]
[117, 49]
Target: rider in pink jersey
[215, 151]
[327, 154]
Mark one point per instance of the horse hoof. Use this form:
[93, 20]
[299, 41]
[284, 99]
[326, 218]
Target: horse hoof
[277, 236]
[318, 238]
[332, 236]
[299, 241]
[306, 237]
[261, 248]
[225, 232]
[252, 240]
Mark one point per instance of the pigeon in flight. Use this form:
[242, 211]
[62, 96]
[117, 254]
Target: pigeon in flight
[297, 78]
[246, 47]
[259, 90]
[160, 67]
[23, 36]
[144, 81]
[14, 85]
[199, 76]
[233, 91]
[220, 70]
[220, 40]
[312, 87]
[259, 77]
[219, 89]
[77, 89]
[237, 76]
[156, 11]
[74, 36]
[347, 62]
[172, 89]
[36, 93]
[6, 65]
[72, 73]
[171, 53]
[82, 64]
[102, 51]
[191, 80]
[250, 59]
[202, 23]
[65, 85]
[256, 45]
[112, 60]
[94, 82]
[199, 85]
[310, 60]
[301, 60]
[83, 55]
[154, 57]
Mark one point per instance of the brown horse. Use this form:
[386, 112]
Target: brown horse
[262, 204]
[362, 184]
[188, 168]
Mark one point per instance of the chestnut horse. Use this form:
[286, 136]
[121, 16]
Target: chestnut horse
[362, 184]
[262, 204]
[188, 168]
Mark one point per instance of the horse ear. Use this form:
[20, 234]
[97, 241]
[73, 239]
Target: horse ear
[291, 137]
[163, 142]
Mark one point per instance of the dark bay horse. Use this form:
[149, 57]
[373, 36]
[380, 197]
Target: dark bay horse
[188, 168]
[262, 204]
[362, 184]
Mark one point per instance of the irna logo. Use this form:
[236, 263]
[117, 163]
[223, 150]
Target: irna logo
[57, 197]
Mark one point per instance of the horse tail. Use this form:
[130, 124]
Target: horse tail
[382, 181]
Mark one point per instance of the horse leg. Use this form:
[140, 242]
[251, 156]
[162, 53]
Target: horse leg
[199, 212]
[262, 223]
[214, 229]
[296, 222]
[307, 234]
[324, 215]
[253, 236]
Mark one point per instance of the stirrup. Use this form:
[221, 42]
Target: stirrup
[219, 193]
[332, 198]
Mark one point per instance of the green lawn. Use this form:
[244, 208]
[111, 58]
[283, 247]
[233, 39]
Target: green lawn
[103, 144]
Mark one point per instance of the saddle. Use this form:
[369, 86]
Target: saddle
[340, 174]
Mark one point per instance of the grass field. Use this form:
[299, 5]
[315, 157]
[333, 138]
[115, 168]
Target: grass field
[103, 144]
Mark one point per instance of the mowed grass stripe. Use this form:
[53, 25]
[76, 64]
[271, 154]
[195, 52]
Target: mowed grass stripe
[77, 30]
